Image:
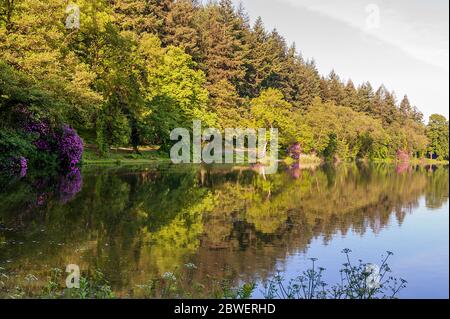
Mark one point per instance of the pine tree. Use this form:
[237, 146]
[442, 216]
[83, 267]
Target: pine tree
[335, 88]
[390, 110]
[290, 82]
[7, 10]
[406, 110]
[257, 62]
[226, 103]
[222, 56]
[350, 96]
[276, 50]
[417, 116]
[310, 80]
[365, 98]
[385, 106]
[324, 89]
[182, 29]
[405, 106]
[243, 34]
[299, 80]
[142, 16]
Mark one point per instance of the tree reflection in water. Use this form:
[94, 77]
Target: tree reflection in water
[139, 223]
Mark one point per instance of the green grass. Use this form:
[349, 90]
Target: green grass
[413, 161]
[126, 156]
[428, 161]
[91, 157]
[304, 159]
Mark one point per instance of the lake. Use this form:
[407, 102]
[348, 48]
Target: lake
[138, 223]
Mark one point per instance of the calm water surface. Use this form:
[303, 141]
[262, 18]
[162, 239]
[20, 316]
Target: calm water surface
[138, 223]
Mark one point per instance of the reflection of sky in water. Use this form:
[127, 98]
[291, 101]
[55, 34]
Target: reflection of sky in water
[137, 224]
[420, 246]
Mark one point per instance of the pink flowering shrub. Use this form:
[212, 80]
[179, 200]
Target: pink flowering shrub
[294, 151]
[295, 171]
[23, 166]
[402, 156]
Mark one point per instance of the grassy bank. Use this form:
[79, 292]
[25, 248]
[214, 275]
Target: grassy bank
[305, 159]
[126, 156]
[123, 156]
[428, 162]
[413, 161]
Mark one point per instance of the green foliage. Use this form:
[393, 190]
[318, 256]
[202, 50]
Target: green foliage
[15, 145]
[226, 104]
[135, 70]
[361, 281]
[92, 286]
[174, 91]
[438, 134]
[222, 47]
[17, 89]
[341, 133]
[18, 94]
[141, 16]
[34, 44]
[182, 28]
[113, 129]
[270, 110]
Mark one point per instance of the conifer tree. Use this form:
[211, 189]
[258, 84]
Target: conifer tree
[222, 56]
[226, 103]
[405, 106]
[258, 63]
[335, 88]
[365, 98]
[384, 105]
[276, 51]
[350, 96]
[7, 12]
[182, 29]
[390, 112]
[310, 79]
[417, 116]
[142, 16]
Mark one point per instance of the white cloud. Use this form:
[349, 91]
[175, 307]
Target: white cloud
[408, 54]
[419, 30]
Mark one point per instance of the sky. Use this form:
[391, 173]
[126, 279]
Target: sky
[403, 44]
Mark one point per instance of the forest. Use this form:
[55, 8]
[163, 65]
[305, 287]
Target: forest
[134, 70]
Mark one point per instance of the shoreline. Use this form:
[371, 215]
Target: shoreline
[125, 161]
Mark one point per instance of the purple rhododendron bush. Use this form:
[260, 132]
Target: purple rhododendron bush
[70, 185]
[295, 151]
[40, 143]
[69, 147]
